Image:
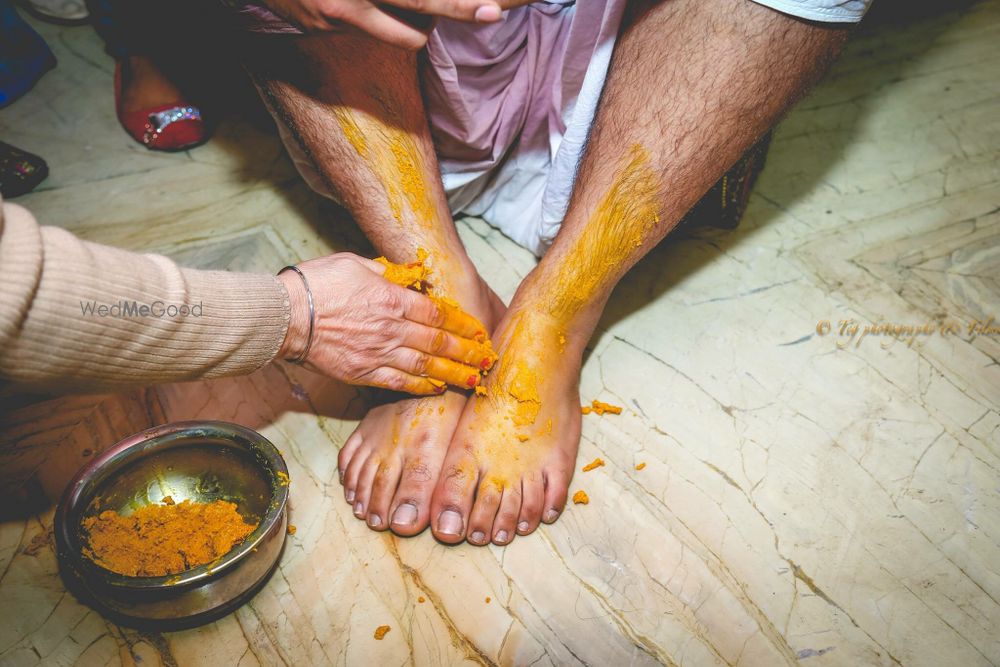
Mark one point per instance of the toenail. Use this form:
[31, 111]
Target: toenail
[473, 379]
[478, 537]
[523, 526]
[374, 521]
[350, 495]
[359, 508]
[405, 514]
[450, 523]
[551, 515]
[502, 536]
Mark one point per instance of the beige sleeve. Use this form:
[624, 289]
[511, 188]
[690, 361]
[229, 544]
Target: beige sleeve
[72, 316]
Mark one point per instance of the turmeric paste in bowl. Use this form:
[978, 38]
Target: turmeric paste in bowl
[157, 540]
[174, 526]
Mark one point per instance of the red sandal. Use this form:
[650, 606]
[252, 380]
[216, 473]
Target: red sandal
[168, 127]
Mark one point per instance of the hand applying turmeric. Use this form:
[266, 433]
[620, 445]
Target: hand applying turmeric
[416, 277]
[350, 322]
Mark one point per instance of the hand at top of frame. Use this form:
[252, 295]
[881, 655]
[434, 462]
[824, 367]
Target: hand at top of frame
[370, 331]
[404, 23]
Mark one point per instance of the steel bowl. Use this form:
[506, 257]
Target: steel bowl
[199, 461]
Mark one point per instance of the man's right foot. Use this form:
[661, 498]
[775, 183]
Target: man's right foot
[389, 466]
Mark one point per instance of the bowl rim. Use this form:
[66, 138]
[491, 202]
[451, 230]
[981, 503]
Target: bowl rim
[123, 452]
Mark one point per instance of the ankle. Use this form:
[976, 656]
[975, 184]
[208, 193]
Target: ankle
[458, 279]
[573, 327]
[538, 337]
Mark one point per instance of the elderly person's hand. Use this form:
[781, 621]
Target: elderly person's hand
[381, 18]
[370, 331]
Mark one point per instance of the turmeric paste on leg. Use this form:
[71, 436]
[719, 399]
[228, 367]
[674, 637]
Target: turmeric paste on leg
[354, 105]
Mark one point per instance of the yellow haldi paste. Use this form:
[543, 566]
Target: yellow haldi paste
[413, 275]
[600, 408]
[623, 221]
[524, 388]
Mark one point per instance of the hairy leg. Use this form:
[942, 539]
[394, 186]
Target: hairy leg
[692, 85]
[353, 104]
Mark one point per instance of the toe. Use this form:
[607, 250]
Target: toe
[366, 478]
[556, 487]
[352, 472]
[453, 496]
[484, 511]
[410, 509]
[383, 488]
[348, 451]
[505, 522]
[532, 502]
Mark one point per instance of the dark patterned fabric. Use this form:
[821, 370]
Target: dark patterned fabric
[723, 206]
[20, 171]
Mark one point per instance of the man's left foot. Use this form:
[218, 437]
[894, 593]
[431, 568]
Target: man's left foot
[390, 464]
[512, 455]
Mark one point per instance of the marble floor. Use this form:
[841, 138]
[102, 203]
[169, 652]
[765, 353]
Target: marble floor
[806, 498]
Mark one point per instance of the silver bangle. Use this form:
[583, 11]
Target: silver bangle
[312, 315]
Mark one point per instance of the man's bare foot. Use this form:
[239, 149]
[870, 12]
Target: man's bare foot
[512, 455]
[145, 86]
[391, 462]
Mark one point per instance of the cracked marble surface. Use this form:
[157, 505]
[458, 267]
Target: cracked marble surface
[804, 498]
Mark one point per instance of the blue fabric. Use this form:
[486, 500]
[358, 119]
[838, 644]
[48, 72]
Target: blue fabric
[24, 55]
[106, 17]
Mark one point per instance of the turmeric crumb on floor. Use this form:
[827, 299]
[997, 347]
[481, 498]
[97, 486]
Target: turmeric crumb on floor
[381, 631]
[581, 497]
[599, 408]
[596, 463]
[421, 599]
[640, 466]
[291, 529]
[487, 599]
